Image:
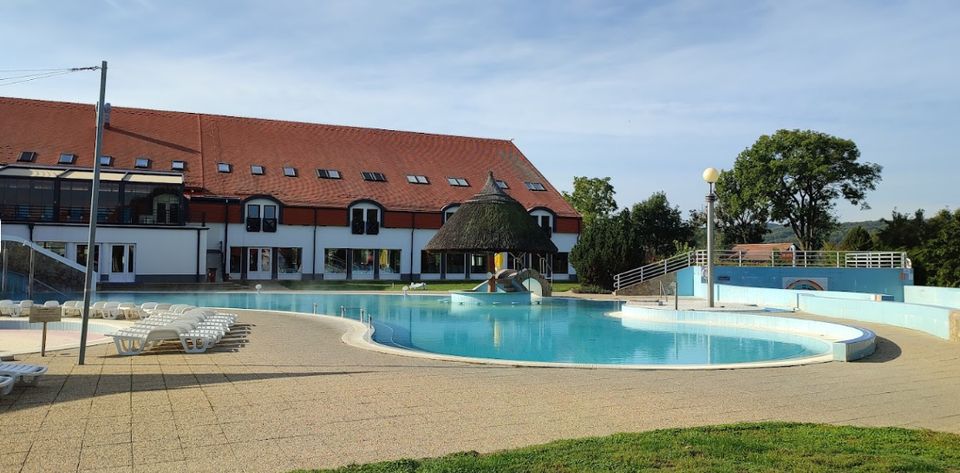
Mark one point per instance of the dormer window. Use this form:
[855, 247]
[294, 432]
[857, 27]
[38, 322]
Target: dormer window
[289, 171]
[502, 184]
[535, 186]
[178, 165]
[414, 179]
[224, 167]
[373, 176]
[328, 174]
[27, 156]
[106, 161]
[261, 217]
[365, 219]
[142, 163]
[458, 182]
[67, 158]
[256, 170]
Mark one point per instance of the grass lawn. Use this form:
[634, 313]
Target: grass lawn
[770, 447]
[559, 286]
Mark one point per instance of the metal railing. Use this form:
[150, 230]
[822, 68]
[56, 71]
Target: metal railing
[128, 215]
[365, 317]
[775, 259]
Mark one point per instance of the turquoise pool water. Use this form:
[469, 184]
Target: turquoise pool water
[559, 330]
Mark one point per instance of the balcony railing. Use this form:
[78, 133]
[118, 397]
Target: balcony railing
[116, 215]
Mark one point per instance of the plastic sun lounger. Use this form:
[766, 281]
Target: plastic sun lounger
[7, 308]
[27, 374]
[131, 343]
[6, 385]
[110, 311]
[53, 304]
[24, 309]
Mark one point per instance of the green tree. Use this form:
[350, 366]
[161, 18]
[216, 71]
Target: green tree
[592, 197]
[606, 247]
[857, 239]
[938, 256]
[741, 218]
[800, 174]
[902, 232]
[659, 227]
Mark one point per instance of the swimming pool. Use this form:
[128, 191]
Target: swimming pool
[559, 330]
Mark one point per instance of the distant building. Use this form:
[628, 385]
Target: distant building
[188, 196]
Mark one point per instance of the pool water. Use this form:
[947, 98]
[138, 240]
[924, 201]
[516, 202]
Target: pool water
[558, 330]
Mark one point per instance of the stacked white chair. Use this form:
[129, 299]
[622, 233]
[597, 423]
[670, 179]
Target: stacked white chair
[196, 329]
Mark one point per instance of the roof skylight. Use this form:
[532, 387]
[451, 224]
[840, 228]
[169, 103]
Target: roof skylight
[178, 165]
[289, 171]
[67, 158]
[535, 186]
[328, 174]
[142, 163]
[256, 170]
[502, 184]
[106, 160]
[416, 179]
[458, 182]
[27, 156]
[224, 167]
[373, 176]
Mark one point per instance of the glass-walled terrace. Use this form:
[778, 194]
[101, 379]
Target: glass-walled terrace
[28, 199]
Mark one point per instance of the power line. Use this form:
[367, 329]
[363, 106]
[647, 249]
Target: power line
[19, 79]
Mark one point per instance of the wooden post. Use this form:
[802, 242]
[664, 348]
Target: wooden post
[43, 341]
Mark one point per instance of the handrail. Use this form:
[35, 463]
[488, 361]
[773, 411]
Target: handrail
[46, 252]
[796, 258]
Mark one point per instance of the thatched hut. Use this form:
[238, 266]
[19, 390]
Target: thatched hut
[491, 222]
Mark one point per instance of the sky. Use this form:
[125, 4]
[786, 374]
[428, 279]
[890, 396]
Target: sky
[648, 93]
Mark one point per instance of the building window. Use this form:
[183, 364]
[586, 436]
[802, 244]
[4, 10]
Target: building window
[335, 260]
[256, 170]
[253, 218]
[57, 247]
[67, 158]
[365, 221]
[289, 171]
[270, 218]
[235, 257]
[430, 262]
[458, 182]
[502, 184]
[456, 263]
[178, 165]
[106, 161]
[142, 163]
[328, 174]
[373, 176]
[535, 186]
[414, 179]
[261, 217]
[288, 260]
[363, 261]
[389, 262]
[561, 263]
[545, 222]
[478, 263]
[449, 212]
[224, 167]
[82, 256]
[27, 156]
[167, 208]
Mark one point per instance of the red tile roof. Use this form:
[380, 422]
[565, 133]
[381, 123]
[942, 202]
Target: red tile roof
[203, 140]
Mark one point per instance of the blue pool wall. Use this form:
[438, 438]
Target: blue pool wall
[851, 343]
[933, 316]
[929, 295]
[888, 281]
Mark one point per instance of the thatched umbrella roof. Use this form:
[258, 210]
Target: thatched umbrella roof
[491, 221]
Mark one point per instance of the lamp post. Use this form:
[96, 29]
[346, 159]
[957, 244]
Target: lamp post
[710, 175]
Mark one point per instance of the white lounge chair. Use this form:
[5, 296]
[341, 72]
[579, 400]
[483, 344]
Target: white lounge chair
[71, 309]
[6, 385]
[197, 330]
[96, 308]
[24, 310]
[110, 311]
[418, 285]
[54, 304]
[7, 308]
[26, 374]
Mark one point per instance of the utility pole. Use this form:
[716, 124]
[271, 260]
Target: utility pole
[89, 284]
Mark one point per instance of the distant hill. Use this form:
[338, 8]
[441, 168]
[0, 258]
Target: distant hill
[780, 233]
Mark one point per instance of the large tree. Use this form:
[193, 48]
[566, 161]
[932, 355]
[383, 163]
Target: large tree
[741, 217]
[606, 247]
[659, 227]
[592, 197]
[857, 239]
[801, 174]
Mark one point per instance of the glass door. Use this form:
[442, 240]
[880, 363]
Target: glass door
[259, 263]
[122, 263]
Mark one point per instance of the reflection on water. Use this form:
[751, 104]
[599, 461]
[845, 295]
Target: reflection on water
[559, 330]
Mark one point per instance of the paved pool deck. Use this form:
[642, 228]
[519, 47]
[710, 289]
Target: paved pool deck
[285, 392]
